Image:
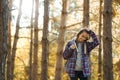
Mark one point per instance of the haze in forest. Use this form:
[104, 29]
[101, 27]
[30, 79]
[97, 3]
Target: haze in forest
[38, 30]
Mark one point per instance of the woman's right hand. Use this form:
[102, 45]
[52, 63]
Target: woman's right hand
[73, 46]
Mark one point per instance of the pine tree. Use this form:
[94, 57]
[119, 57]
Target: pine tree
[45, 42]
[15, 41]
[86, 13]
[107, 41]
[4, 14]
[100, 48]
[35, 55]
[59, 62]
[31, 45]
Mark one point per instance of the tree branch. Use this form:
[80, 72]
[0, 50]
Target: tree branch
[73, 25]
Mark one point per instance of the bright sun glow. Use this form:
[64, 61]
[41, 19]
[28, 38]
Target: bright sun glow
[26, 12]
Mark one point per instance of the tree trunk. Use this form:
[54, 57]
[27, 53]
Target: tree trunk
[4, 14]
[59, 62]
[35, 56]
[45, 43]
[86, 13]
[9, 42]
[86, 18]
[107, 41]
[31, 45]
[100, 48]
[15, 41]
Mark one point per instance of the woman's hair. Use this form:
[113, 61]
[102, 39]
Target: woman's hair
[83, 30]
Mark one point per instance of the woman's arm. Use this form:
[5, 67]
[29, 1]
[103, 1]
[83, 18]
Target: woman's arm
[94, 43]
[67, 53]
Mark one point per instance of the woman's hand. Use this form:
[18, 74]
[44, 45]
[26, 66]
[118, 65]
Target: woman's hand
[73, 46]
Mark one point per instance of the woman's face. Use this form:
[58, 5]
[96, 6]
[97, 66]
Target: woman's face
[83, 37]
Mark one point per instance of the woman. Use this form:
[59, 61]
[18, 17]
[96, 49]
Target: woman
[77, 54]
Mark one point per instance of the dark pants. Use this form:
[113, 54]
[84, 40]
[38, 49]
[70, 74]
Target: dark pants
[79, 75]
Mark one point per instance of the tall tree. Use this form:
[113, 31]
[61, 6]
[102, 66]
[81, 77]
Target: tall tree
[107, 41]
[9, 42]
[35, 56]
[86, 17]
[86, 13]
[15, 40]
[31, 44]
[4, 13]
[59, 61]
[45, 43]
[100, 48]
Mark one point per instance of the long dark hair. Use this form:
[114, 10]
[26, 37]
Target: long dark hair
[83, 30]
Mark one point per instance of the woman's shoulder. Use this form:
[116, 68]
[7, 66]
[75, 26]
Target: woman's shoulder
[72, 41]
